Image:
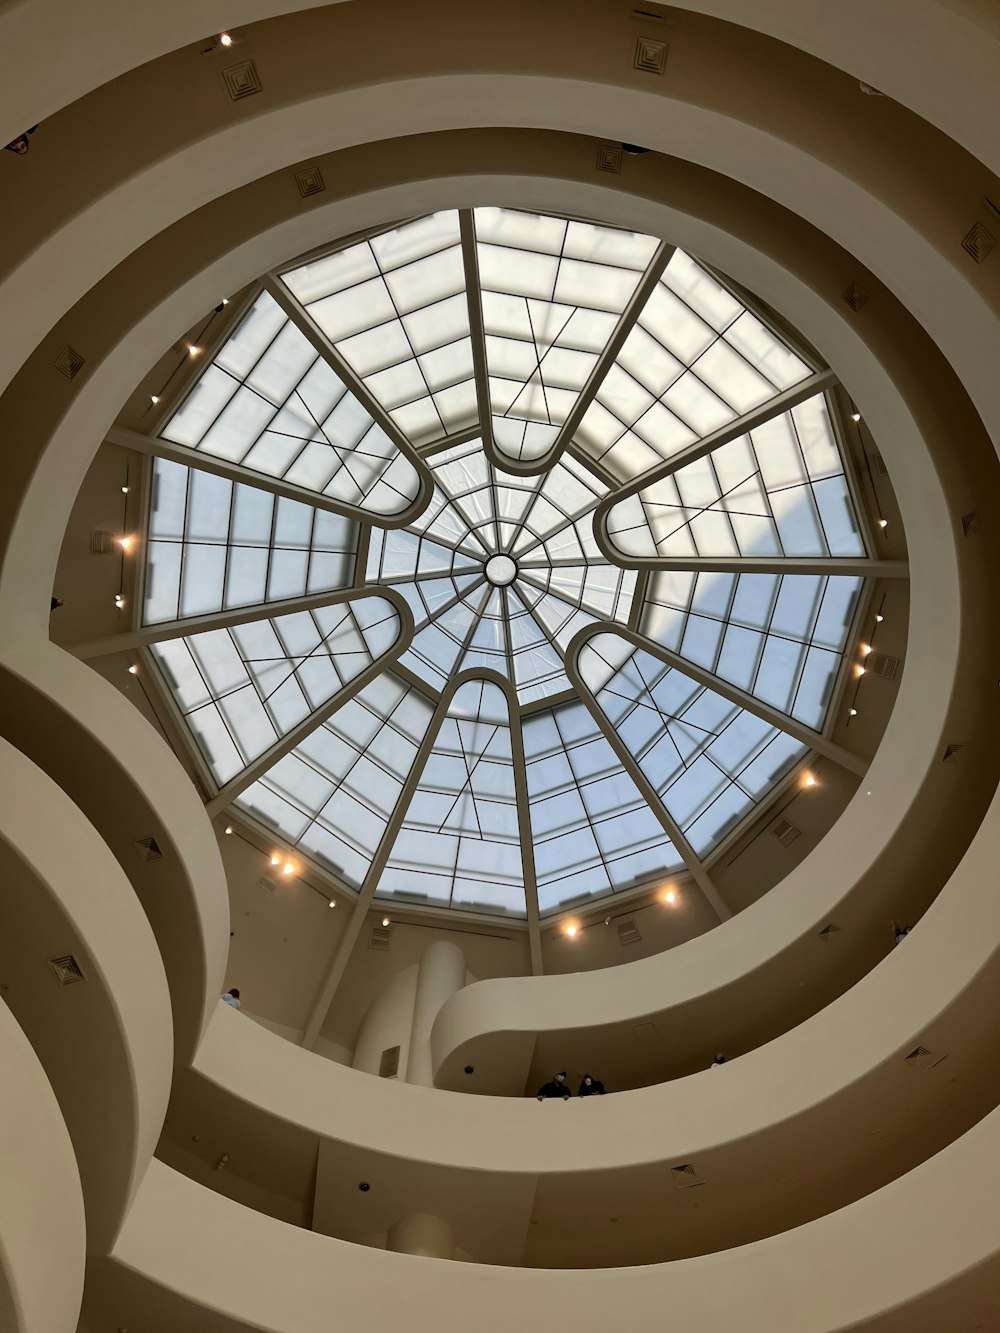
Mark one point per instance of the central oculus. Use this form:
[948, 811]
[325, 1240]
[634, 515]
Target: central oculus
[501, 571]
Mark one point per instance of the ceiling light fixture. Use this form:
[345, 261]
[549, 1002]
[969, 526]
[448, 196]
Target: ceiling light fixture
[853, 712]
[225, 39]
[883, 522]
[385, 921]
[855, 415]
[125, 543]
[670, 896]
[275, 859]
[154, 398]
[133, 670]
[229, 828]
[866, 649]
[331, 903]
[571, 931]
[879, 619]
[288, 868]
[192, 350]
[810, 780]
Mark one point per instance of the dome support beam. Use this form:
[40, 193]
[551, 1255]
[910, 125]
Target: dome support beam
[523, 815]
[142, 637]
[647, 285]
[356, 386]
[821, 744]
[688, 855]
[819, 382]
[288, 742]
[157, 447]
[477, 334]
[860, 566]
[366, 896]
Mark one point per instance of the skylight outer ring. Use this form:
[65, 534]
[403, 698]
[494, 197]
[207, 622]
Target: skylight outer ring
[354, 384]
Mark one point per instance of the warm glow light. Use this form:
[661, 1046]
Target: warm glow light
[860, 670]
[670, 896]
[854, 712]
[133, 670]
[855, 416]
[810, 780]
[883, 522]
[332, 903]
[880, 619]
[385, 921]
[119, 600]
[288, 868]
[225, 39]
[229, 828]
[225, 300]
[192, 350]
[124, 490]
[275, 859]
[865, 649]
[125, 543]
[153, 398]
[571, 931]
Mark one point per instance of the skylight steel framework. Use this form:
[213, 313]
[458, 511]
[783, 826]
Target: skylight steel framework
[660, 470]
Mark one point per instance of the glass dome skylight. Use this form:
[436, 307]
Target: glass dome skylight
[502, 562]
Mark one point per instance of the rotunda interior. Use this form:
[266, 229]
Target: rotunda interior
[515, 494]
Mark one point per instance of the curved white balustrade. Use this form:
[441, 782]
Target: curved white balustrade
[105, 1039]
[892, 1263]
[124, 778]
[42, 1228]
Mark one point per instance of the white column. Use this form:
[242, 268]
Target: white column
[442, 974]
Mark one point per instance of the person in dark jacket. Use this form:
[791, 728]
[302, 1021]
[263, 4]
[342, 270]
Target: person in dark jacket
[556, 1087]
[591, 1087]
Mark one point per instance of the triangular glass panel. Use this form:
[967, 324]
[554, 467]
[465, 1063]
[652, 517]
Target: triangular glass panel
[779, 490]
[241, 689]
[395, 308]
[552, 293]
[696, 359]
[709, 760]
[592, 831]
[214, 545]
[269, 403]
[779, 637]
[334, 794]
[460, 843]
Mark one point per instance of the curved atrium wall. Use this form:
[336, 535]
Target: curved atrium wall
[526, 582]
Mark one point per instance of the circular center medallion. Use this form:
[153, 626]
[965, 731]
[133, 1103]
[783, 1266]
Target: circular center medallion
[501, 570]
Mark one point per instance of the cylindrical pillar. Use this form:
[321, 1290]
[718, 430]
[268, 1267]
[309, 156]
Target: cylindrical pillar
[421, 1233]
[442, 973]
